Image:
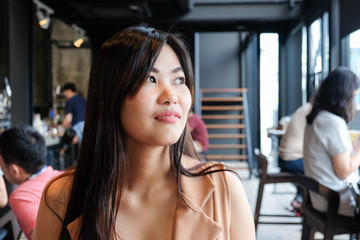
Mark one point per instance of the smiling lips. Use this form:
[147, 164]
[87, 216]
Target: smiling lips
[168, 116]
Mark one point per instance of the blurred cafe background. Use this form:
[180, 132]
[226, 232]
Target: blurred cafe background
[255, 62]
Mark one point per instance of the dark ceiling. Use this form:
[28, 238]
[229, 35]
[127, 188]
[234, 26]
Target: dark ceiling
[103, 18]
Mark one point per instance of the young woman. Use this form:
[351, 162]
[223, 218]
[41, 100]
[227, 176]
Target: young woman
[329, 155]
[138, 175]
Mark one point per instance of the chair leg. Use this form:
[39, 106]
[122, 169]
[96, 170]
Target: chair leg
[354, 236]
[328, 237]
[307, 232]
[329, 233]
[258, 203]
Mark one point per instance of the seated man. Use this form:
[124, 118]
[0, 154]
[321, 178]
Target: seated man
[23, 161]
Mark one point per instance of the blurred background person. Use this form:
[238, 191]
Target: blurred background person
[75, 108]
[69, 148]
[23, 161]
[199, 132]
[291, 148]
[329, 155]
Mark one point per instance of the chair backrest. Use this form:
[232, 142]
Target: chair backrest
[309, 184]
[262, 163]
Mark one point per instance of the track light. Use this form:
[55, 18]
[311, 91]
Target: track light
[43, 13]
[79, 35]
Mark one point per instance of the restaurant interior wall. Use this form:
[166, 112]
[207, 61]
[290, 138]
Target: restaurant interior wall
[69, 63]
[290, 58]
[290, 73]
[28, 62]
[42, 63]
[249, 55]
[219, 60]
[5, 105]
[290, 95]
[57, 61]
[334, 34]
[349, 16]
[20, 61]
[4, 41]
[219, 67]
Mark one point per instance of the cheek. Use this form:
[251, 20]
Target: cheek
[186, 101]
[132, 109]
[124, 113]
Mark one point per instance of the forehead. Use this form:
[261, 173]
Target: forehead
[167, 58]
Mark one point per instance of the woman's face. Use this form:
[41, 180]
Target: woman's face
[157, 114]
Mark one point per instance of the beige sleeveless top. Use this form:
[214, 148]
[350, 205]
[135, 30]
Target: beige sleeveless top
[209, 214]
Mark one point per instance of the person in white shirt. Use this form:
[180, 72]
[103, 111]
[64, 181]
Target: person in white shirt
[329, 155]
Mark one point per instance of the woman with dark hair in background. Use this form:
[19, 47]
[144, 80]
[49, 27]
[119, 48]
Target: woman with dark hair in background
[138, 174]
[329, 155]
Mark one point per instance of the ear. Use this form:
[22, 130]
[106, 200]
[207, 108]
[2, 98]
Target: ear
[15, 170]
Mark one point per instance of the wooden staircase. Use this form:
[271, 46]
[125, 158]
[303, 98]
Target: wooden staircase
[225, 112]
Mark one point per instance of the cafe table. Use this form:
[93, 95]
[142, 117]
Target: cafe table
[275, 135]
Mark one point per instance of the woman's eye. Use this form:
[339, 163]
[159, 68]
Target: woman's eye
[180, 81]
[150, 79]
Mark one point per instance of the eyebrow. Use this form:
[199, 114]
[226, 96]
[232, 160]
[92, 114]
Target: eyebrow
[175, 70]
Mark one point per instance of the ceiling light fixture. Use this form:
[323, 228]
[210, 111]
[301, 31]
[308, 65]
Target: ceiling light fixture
[43, 13]
[134, 7]
[79, 35]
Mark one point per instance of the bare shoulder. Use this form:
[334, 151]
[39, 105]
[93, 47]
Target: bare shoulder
[52, 207]
[57, 192]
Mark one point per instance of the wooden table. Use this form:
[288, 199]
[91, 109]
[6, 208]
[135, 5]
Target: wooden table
[275, 135]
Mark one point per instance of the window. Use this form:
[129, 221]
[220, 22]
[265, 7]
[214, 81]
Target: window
[269, 88]
[304, 65]
[351, 59]
[319, 52]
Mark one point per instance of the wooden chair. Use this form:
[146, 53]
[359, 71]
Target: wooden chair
[329, 223]
[270, 178]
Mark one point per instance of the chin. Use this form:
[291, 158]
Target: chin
[169, 141]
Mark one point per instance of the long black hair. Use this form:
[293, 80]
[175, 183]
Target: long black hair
[335, 94]
[122, 65]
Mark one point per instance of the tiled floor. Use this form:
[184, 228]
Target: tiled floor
[276, 198]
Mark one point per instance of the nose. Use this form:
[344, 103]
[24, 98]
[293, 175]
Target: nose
[168, 96]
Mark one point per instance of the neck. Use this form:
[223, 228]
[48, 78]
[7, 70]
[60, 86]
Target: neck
[24, 177]
[71, 95]
[41, 170]
[150, 169]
